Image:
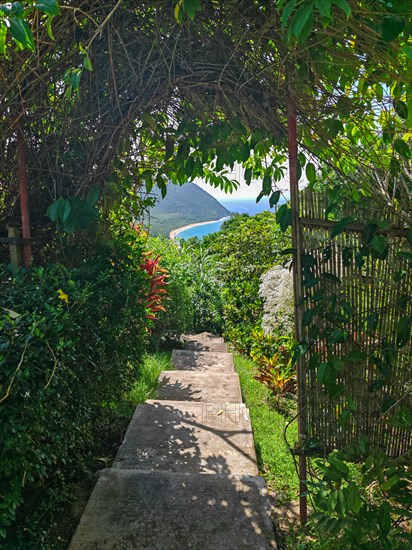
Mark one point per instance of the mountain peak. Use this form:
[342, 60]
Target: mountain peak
[183, 205]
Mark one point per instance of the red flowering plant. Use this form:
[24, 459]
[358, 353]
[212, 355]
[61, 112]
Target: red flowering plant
[158, 275]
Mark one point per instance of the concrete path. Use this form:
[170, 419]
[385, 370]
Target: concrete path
[185, 476]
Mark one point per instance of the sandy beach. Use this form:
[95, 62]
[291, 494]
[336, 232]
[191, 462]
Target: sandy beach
[174, 232]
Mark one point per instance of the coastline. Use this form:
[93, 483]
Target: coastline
[174, 232]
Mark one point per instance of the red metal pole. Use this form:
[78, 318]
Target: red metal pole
[24, 197]
[297, 285]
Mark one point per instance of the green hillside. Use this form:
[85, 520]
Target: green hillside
[183, 205]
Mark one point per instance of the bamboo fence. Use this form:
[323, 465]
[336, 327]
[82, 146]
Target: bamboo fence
[375, 296]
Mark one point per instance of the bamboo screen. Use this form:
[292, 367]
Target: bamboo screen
[372, 298]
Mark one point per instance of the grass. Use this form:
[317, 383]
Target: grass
[275, 462]
[146, 385]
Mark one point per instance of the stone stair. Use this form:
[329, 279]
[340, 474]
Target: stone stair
[185, 476]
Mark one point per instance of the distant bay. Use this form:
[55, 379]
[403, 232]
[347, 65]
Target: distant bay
[239, 206]
[249, 206]
[198, 230]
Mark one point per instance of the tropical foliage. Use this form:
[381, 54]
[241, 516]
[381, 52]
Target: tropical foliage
[245, 248]
[71, 343]
[100, 101]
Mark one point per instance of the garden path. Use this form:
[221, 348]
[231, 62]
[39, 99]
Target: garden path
[185, 476]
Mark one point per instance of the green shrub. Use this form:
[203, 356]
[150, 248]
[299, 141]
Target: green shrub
[71, 341]
[244, 249]
[362, 505]
[178, 317]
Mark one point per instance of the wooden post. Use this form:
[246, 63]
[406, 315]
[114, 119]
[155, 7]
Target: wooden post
[24, 197]
[297, 289]
[16, 256]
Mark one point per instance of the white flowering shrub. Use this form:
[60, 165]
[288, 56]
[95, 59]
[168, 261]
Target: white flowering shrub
[276, 291]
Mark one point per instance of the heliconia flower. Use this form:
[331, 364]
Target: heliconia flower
[62, 296]
[156, 294]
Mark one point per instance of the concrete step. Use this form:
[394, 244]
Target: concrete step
[208, 387]
[201, 361]
[176, 436]
[203, 337]
[205, 342]
[133, 510]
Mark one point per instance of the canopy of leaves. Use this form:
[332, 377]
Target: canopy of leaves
[119, 96]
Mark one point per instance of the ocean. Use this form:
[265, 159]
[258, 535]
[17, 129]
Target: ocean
[240, 206]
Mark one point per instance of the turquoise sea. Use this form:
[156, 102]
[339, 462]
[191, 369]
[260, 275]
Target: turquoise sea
[240, 206]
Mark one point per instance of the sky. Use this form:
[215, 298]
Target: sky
[244, 191]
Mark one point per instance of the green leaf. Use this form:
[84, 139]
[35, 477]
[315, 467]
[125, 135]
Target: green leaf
[87, 64]
[385, 518]
[336, 362]
[355, 356]
[333, 127]
[372, 322]
[308, 317]
[401, 109]
[344, 6]
[394, 166]
[338, 336]
[379, 244]
[359, 259]
[189, 166]
[388, 134]
[324, 373]
[12, 314]
[274, 199]
[391, 482]
[338, 464]
[284, 217]
[3, 34]
[343, 417]
[299, 351]
[287, 12]
[399, 276]
[407, 50]
[368, 232]
[260, 197]
[392, 27]
[75, 76]
[179, 12]
[12, 8]
[191, 7]
[403, 331]
[324, 7]
[49, 26]
[53, 209]
[248, 175]
[21, 32]
[311, 173]
[49, 7]
[267, 185]
[341, 226]
[402, 148]
[347, 256]
[377, 385]
[302, 22]
[67, 208]
[93, 196]
[331, 277]
[353, 498]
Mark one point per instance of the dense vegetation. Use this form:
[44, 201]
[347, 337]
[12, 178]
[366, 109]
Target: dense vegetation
[71, 342]
[183, 206]
[98, 109]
